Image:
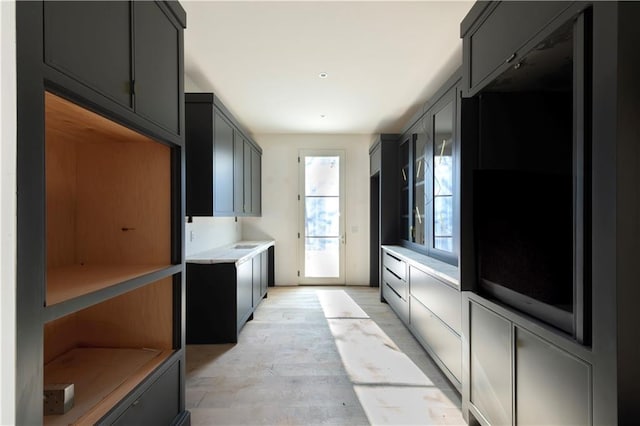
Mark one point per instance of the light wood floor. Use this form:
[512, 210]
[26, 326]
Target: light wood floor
[294, 366]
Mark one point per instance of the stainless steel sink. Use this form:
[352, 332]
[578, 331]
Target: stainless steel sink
[245, 246]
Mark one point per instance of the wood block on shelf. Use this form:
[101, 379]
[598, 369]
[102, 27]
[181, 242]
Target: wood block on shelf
[101, 376]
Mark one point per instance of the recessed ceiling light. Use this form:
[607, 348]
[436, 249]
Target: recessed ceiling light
[322, 116]
[323, 75]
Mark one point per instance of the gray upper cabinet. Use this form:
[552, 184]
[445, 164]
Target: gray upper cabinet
[224, 169]
[256, 183]
[223, 165]
[156, 89]
[111, 48]
[95, 50]
[493, 51]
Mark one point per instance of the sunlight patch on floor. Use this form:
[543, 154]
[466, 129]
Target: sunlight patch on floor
[390, 387]
[338, 304]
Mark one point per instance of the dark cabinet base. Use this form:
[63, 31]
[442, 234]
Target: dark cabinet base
[221, 297]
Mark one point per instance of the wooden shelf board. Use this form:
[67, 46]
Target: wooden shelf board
[101, 377]
[67, 282]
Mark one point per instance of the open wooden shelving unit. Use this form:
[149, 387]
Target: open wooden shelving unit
[108, 217]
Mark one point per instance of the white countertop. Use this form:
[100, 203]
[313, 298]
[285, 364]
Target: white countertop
[237, 252]
[444, 271]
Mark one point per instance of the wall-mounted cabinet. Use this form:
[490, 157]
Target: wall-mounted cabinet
[428, 183]
[224, 166]
[111, 48]
[100, 258]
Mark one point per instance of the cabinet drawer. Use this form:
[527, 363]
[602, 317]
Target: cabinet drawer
[509, 26]
[159, 404]
[395, 265]
[399, 306]
[395, 283]
[440, 298]
[442, 341]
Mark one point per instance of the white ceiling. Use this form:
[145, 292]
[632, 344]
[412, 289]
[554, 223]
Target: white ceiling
[384, 59]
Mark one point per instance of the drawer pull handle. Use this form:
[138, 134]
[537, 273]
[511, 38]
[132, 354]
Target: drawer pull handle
[511, 58]
[393, 273]
[136, 402]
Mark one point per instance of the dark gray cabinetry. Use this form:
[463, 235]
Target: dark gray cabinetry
[491, 379]
[435, 320]
[518, 376]
[552, 386]
[256, 183]
[158, 404]
[499, 39]
[221, 297]
[112, 48]
[223, 164]
[91, 294]
[598, 359]
[394, 285]
[383, 201]
[96, 49]
[245, 286]
[224, 168]
[156, 88]
[240, 173]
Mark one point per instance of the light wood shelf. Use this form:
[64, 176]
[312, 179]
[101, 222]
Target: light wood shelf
[68, 282]
[101, 377]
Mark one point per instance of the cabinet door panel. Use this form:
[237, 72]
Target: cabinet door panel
[224, 166]
[552, 387]
[91, 42]
[256, 183]
[238, 173]
[264, 272]
[247, 207]
[257, 274]
[245, 291]
[157, 69]
[505, 31]
[441, 299]
[491, 387]
[441, 339]
[158, 405]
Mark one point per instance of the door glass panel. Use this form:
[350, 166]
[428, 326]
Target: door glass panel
[443, 179]
[405, 232]
[322, 233]
[418, 232]
[322, 257]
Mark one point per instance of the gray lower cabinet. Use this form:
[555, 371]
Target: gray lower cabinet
[552, 386]
[221, 297]
[158, 405]
[438, 338]
[519, 378]
[394, 285]
[244, 284]
[429, 307]
[490, 367]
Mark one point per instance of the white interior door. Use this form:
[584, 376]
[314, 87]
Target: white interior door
[321, 229]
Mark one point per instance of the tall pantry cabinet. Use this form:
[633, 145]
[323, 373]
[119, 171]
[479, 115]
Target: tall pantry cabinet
[100, 269]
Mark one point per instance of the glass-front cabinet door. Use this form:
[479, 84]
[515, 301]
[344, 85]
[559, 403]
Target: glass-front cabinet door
[419, 166]
[405, 175]
[443, 177]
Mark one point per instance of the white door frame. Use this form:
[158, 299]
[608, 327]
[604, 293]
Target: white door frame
[341, 279]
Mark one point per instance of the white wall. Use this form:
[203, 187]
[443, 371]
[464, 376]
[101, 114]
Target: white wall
[280, 203]
[208, 232]
[211, 232]
[7, 212]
